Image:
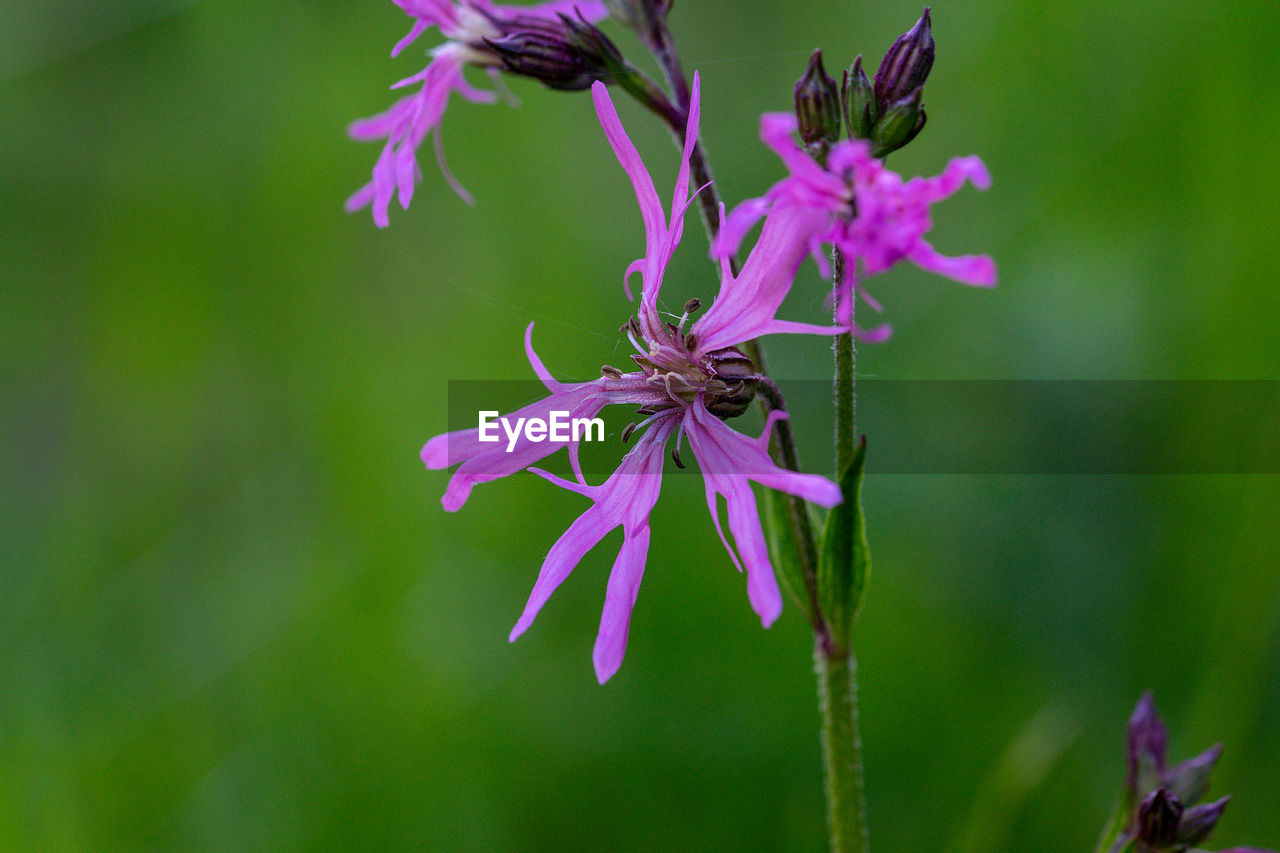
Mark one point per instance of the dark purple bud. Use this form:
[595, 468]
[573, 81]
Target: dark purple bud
[1190, 779]
[568, 54]
[1148, 745]
[1199, 821]
[859, 101]
[1158, 818]
[899, 124]
[738, 374]
[906, 66]
[817, 107]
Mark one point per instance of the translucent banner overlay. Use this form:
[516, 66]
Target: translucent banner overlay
[978, 426]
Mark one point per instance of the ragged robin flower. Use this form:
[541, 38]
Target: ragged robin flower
[688, 379]
[866, 210]
[471, 28]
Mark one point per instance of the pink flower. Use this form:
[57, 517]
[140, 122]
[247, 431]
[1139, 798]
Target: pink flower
[466, 24]
[867, 211]
[687, 383]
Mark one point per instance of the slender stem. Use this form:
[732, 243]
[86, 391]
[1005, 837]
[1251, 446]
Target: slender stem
[846, 400]
[837, 668]
[841, 749]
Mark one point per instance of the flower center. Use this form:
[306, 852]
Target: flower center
[726, 377]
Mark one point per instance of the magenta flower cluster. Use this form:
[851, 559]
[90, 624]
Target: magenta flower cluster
[687, 378]
[875, 218]
[466, 25]
[678, 380]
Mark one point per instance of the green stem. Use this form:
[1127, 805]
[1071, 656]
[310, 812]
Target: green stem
[845, 381]
[841, 749]
[837, 667]
[837, 687]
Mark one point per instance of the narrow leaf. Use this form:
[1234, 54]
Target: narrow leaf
[845, 561]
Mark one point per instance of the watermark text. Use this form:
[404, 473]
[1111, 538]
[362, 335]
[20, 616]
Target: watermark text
[556, 427]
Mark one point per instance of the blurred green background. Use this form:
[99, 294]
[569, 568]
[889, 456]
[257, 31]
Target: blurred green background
[234, 616]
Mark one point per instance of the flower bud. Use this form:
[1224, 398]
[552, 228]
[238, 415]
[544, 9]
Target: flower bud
[1189, 780]
[738, 375]
[1198, 822]
[899, 123]
[859, 101]
[817, 107]
[1158, 817]
[1148, 746]
[906, 65]
[568, 55]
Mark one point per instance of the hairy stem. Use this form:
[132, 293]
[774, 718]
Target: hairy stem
[846, 400]
[841, 749]
[837, 668]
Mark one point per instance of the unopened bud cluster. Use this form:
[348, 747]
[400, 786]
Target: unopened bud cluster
[1160, 810]
[888, 112]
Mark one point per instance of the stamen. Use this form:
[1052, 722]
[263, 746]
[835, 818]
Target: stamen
[653, 416]
[689, 307]
[633, 333]
[691, 343]
[610, 372]
[675, 457]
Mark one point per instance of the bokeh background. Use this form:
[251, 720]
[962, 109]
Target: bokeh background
[234, 616]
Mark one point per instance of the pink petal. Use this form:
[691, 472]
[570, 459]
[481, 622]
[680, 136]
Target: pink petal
[626, 499]
[979, 270]
[735, 227]
[744, 522]
[746, 305]
[650, 207]
[729, 461]
[564, 556]
[418, 28]
[540, 370]
[620, 598]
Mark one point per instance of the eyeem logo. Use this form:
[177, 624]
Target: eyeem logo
[558, 428]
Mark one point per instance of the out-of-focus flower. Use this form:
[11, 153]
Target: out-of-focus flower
[866, 210]
[471, 28]
[891, 113]
[687, 382]
[1157, 812]
[817, 102]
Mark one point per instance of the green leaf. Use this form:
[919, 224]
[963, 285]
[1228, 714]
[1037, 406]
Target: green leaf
[845, 560]
[784, 552]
